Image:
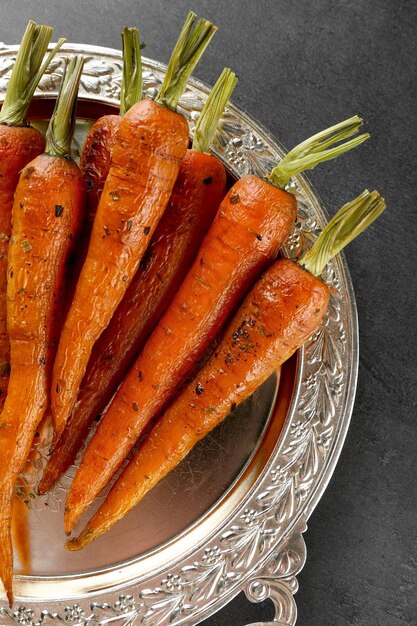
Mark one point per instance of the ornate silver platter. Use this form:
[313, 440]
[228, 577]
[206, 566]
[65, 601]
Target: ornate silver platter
[231, 517]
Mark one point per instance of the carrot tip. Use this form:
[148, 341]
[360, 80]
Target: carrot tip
[74, 544]
[10, 598]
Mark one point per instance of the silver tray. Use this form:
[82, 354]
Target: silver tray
[231, 517]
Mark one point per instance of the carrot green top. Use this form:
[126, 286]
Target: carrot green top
[185, 56]
[61, 126]
[213, 110]
[131, 91]
[323, 146]
[348, 223]
[27, 72]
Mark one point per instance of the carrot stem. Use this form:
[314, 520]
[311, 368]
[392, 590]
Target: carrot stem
[62, 123]
[131, 91]
[323, 146]
[346, 225]
[213, 110]
[185, 56]
[27, 72]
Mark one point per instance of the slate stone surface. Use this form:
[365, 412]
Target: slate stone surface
[303, 65]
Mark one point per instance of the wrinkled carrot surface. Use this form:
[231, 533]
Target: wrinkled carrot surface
[281, 311]
[45, 218]
[250, 226]
[198, 191]
[18, 146]
[150, 144]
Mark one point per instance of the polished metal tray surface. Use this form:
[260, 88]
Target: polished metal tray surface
[231, 517]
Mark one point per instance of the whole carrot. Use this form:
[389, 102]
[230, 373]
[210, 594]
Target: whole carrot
[19, 144]
[197, 193]
[46, 216]
[279, 314]
[251, 225]
[151, 141]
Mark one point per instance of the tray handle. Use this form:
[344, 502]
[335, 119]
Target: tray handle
[276, 578]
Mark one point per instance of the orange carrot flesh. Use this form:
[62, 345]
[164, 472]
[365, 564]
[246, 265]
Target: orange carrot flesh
[281, 311]
[18, 146]
[248, 230]
[198, 191]
[150, 144]
[45, 218]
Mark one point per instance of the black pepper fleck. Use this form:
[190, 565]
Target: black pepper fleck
[129, 224]
[199, 389]
[135, 406]
[234, 198]
[259, 237]
[59, 210]
[147, 230]
[106, 230]
[140, 375]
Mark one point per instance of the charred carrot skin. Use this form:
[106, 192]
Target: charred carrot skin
[198, 191]
[18, 146]
[252, 223]
[282, 310]
[151, 142]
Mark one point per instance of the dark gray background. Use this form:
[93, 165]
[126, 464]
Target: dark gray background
[303, 65]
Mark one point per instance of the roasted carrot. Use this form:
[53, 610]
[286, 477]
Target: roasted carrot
[46, 216]
[151, 141]
[197, 193]
[251, 225]
[19, 144]
[281, 311]
[98, 146]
